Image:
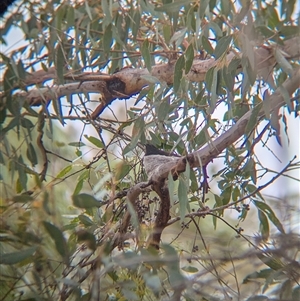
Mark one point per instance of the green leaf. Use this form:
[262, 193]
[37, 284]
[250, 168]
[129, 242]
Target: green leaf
[22, 198]
[226, 195]
[213, 96]
[26, 123]
[85, 201]
[262, 274]
[252, 122]
[178, 72]
[85, 220]
[60, 63]
[163, 109]
[272, 262]
[70, 16]
[78, 187]
[107, 38]
[265, 31]
[283, 62]
[57, 106]
[146, 55]
[171, 185]
[64, 171]
[271, 215]
[137, 131]
[264, 225]
[22, 173]
[202, 8]
[59, 240]
[94, 140]
[178, 36]
[122, 170]
[88, 10]
[31, 154]
[77, 144]
[207, 45]
[21, 70]
[189, 58]
[286, 98]
[222, 46]
[16, 257]
[182, 197]
[190, 269]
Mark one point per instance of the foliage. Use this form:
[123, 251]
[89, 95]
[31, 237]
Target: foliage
[65, 188]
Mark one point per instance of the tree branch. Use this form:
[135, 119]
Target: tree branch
[129, 81]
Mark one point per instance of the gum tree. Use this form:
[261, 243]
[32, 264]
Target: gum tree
[212, 82]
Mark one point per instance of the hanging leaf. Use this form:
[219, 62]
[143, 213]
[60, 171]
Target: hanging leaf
[183, 198]
[146, 54]
[59, 240]
[60, 63]
[253, 118]
[264, 225]
[31, 154]
[178, 72]
[107, 38]
[78, 187]
[271, 215]
[222, 46]
[22, 173]
[189, 58]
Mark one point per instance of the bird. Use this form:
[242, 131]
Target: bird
[156, 159]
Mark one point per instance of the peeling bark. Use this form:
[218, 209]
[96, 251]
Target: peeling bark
[129, 81]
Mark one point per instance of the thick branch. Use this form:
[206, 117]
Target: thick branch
[130, 81]
[163, 214]
[203, 156]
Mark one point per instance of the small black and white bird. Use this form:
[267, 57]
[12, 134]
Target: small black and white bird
[155, 158]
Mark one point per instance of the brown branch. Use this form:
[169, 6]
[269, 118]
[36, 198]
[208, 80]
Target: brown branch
[130, 81]
[163, 214]
[132, 196]
[202, 157]
[39, 141]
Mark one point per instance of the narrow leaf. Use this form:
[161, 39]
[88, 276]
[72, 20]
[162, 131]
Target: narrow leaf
[60, 63]
[253, 118]
[222, 46]
[283, 62]
[271, 215]
[95, 141]
[183, 199]
[178, 72]
[31, 154]
[64, 171]
[189, 58]
[264, 225]
[107, 38]
[59, 240]
[146, 54]
[16, 257]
